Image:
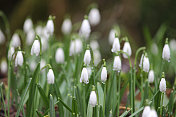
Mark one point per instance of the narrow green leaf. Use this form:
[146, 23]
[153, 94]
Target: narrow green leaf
[52, 109]
[39, 114]
[89, 110]
[138, 111]
[100, 94]
[125, 113]
[68, 108]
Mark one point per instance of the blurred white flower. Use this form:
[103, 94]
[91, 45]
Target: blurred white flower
[162, 85]
[166, 53]
[94, 16]
[85, 29]
[3, 67]
[172, 44]
[15, 41]
[87, 57]
[59, 56]
[50, 27]
[66, 26]
[19, 59]
[127, 49]
[116, 45]
[97, 57]
[44, 42]
[84, 76]
[30, 37]
[10, 52]
[146, 64]
[94, 45]
[112, 36]
[141, 61]
[75, 47]
[28, 25]
[2, 37]
[154, 48]
[151, 76]
[104, 74]
[117, 64]
[146, 111]
[42, 63]
[93, 99]
[89, 71]
[35, 48]
[152, 113]
[50, 77]
[39, 30]
[33, 65]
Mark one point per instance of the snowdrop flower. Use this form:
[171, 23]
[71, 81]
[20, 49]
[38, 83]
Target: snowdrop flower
[104, 74]
[4, 67]
[19, 59]
[59, 56]
[146, 111]
[28, 25]
[112, 36]
[151, 76]
[75, 47]
[94, 45]
[35, 48]
[146, 64]
[84, 76]
[87, 57]
[10, 52]
[116, 45]
[93, 99]
[50, 27]
[30, 37]
[154, 48]
[166, 52]
[50, 77]
[66, 26]
[172, 44]
[89, 71]
[152, 113]
[94, 16]
[15, 42]
[162, 85]
[117, 64]
[97, 57]
[33, 65]
[2, 37]
[39, 30]
[85, 29]
[127, 49]
[141, 61]
[42, 63]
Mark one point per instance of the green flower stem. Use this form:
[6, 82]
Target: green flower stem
[118, 104]
[104, 99]
[84, 99]
[161, 107]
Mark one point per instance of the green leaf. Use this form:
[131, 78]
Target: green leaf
[135, 113]
[52, 109]
[125, 113]
[100, 94]
[22, 98]
[68, 108]
[39, 114]
[89, 110]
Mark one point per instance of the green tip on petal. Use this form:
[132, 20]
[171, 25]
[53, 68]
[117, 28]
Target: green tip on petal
[93, 88]
[116, 35]
[86, 17]
[51, 17]
[166, 42]
[104, 63]
[88, 47]
[163, 75]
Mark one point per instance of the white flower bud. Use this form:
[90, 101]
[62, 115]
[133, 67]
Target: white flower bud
[28, 25]
[166, 53]
[93, 99]
[10, 52]
[94, 45]
[35, 48]
[127, 49]
[66, 26]
[172, 44]
[97, 57]
[19, 59]
[112, 36]
[75, 47]
[141, 61]
[50, 77]
[146, 111]
[117, 64]
[42, 63]
[152, 113]
[15, 42]
[104, 74]
[146, 64]
[151, 76]
[87, 57]
[116, 45]
[50, 27]
[85, 29]
[2, 37]
[59, 56]
[3, 66]
[84, 76]
[39, 30]
[162, 85]
[89, 71]
[94, 16]
[30, 37]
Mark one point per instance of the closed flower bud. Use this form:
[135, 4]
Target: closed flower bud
[30, 37]
[141, 61]
[162, 85]
[28, 25]
[3, 67]
[104, 74]
[59, 56]
[151, 76]
[15, 42]
[94, 16]
[93, 99]
[19, 59]
[112, 36]
[50, 27]
[66, 26]
[10, 52]
[152, 113]
[127, 49]
[146, 64]
[85, 29]
[75, 47]
[146, 111]
[116, 45]
[50, 77]
[94, 45]
[84, 76]
[166, 53]
[35, 48]
[117, 64]
[2, 37]
[87, 57]
[97, 57]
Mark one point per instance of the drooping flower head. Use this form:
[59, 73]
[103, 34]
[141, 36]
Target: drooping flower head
[50, 26]
[166, 51]
[28, 25]
[15, 41]
[127, 48]
[50, 77]
[113, 31]
[146, 63]
[93, 97]
[76, 47]
[87, 56]
[94, 17]
[35, 48]
[146, 111]
[116, 45]
[151, 76]
[117, 63]
[162, 85]
[19, 59]
[66, 26]
[104, 72]
[59, 56]
[3, 66]
[84, 76]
